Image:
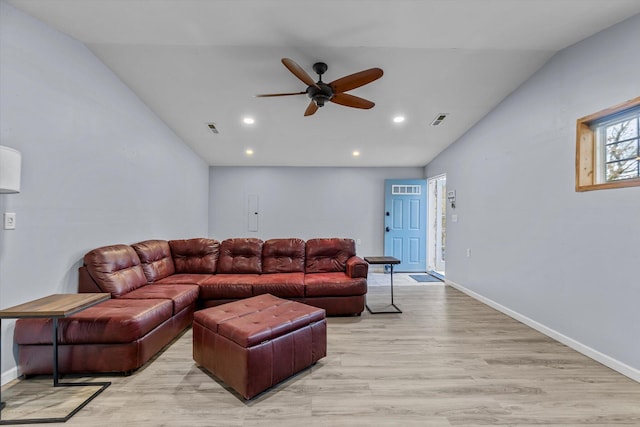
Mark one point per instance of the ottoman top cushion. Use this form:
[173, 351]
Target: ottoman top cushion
[254, 320]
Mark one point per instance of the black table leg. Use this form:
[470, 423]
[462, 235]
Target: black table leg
[55, 351]
[397, 310]
[57, 383]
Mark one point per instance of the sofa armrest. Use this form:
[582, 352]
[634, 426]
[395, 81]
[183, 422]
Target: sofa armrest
[86, 282]
[357, 267]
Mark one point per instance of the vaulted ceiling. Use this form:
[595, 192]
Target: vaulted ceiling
[195, 62]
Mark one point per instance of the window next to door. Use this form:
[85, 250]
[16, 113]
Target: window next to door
[608, 148]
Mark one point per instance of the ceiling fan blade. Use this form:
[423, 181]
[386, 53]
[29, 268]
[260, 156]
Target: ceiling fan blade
[265, 95]
[355, 80]
[299, 72]
[352, 101]
[312, 108]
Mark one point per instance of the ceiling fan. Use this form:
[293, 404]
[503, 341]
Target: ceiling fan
[321, 92]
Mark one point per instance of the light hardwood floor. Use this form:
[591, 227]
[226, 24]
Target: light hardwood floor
[448, 360]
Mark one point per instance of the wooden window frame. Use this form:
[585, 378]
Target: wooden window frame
[586, 151]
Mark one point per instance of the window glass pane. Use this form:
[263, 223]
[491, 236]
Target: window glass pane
[622, 170]
[623, 130]
[622, 150]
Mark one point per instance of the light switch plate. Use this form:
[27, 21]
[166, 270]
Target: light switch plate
[9, 221]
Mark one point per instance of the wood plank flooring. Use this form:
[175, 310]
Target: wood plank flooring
[448, 360]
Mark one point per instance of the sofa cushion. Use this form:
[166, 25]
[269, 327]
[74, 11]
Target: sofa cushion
[180, 295]
[240, 256]
[195, 256]
[284, 285]
[155, 257]
[328, 255]
[183, 279]
[227, 286]
[333, 284]
[115, 269]
[283, 256]
[114, 321]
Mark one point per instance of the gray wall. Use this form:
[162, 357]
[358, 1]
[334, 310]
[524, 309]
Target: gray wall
[566, 261]
[98, 167]
[303, 202]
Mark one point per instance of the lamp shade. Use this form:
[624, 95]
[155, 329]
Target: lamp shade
[10, 165]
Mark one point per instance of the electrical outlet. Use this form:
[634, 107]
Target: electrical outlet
[9, 221]
[358, 242]
[468, 252]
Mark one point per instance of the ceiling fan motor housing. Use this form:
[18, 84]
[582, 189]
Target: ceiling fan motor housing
[321, 95]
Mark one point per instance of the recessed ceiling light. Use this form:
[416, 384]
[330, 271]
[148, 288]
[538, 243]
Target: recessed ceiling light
[248, 120]
[248, 152]
[398, 119]
[356, 153]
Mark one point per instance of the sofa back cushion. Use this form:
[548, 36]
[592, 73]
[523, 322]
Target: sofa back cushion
[283, 256]
[155, 257]
[328, 255]
[115, 269]
[242, 255]
[195, 256]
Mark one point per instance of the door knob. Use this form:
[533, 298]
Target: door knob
[387, 229]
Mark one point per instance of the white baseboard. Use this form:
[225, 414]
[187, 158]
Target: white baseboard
[606, 360]
[8, 376]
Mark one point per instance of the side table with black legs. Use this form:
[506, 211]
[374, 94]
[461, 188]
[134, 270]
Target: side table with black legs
[55, 307]
[390, 261]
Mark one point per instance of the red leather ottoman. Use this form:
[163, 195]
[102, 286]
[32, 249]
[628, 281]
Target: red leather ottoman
[254, 343]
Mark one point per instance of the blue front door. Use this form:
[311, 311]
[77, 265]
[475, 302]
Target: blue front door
[405, 223]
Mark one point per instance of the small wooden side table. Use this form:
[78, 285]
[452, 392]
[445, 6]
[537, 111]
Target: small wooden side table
[390, 261]
[55, 307]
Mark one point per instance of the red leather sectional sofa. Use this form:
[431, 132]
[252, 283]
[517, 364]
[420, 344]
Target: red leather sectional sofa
[156, 285]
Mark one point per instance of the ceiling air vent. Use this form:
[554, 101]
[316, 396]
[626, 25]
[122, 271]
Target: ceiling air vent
[439, 119]
[212, 127]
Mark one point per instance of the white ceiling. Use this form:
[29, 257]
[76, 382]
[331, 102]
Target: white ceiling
[199, 61]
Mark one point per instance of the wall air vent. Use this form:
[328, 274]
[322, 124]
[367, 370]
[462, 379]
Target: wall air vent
[439, 119]
[212, 127]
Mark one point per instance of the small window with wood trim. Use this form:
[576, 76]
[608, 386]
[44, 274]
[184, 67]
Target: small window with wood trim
[608, 148]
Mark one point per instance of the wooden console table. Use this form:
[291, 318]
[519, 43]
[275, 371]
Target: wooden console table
[390, 261]
[55, 307]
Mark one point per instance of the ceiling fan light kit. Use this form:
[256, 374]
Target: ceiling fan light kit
[321, 92]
